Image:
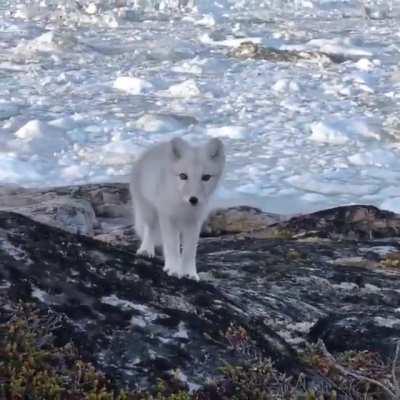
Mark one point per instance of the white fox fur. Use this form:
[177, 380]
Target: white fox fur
[171, 185]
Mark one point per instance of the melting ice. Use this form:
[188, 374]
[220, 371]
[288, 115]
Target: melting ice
[85, 86]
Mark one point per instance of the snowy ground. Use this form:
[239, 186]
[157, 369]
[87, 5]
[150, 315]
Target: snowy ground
[84, 89]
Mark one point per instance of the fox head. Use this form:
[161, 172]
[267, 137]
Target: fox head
[197, 170]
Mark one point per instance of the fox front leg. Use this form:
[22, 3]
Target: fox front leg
[190, 237]
[171, 247]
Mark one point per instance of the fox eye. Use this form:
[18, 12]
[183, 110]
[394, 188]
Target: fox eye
[183, 176]
[206, 177]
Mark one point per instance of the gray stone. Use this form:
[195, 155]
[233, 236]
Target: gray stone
[240, 219]
[64, 212]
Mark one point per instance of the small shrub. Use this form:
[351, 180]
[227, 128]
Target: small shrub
[392, 260]
[33, 368]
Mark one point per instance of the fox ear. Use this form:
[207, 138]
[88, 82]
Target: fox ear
[178, 147]
[215, 148]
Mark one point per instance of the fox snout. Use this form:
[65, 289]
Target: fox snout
[193, 200]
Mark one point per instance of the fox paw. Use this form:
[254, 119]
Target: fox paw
[172, 270]
[190, 271]
[192, 275]
[146, 251]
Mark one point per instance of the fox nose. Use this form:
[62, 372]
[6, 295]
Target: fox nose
[193, 200]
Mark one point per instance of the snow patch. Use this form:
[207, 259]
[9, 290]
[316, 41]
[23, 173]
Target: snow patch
[182, 332]
[115, 301]
[132, 85]
[39, 294]
[303, 327]
[233, 42]
[387, 322]
[348, 286]
[231, 132]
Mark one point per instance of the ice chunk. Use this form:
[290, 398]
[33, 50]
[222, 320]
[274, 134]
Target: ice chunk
[283, 85]
[341, 131]
[48, 42]
[132, 85]
[232, 132]
[364, 64]
[325, 132]
[184, 89]
[163, 122]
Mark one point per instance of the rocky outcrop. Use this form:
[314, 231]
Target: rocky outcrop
[349, 222]
[308, 280]
[255, 51]
[76, 209]
[104, 211]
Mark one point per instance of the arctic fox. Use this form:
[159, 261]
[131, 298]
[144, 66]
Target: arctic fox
[171, 185]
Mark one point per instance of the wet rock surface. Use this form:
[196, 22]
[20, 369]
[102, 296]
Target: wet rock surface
[320, 277]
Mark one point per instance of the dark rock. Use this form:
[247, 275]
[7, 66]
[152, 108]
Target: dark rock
[350, 222]
[138, 324]
[344, 332]
[257, 52]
